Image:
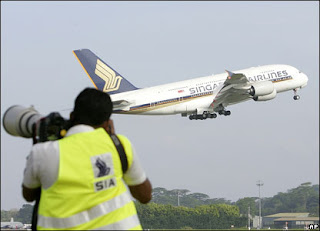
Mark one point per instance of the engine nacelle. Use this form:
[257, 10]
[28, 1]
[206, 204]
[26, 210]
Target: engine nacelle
[266, 97]
[261, 88]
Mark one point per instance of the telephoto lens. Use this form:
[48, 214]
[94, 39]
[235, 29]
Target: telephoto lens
[18, 120]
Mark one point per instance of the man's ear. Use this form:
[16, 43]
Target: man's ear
[71, 116]
[106, 126]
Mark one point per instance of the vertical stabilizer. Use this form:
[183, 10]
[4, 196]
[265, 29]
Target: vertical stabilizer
[101, 74]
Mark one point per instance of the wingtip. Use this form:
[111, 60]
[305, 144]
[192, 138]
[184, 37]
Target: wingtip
[229, 74]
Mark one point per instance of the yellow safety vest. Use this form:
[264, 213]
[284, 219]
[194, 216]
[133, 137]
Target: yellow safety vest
[89, 192]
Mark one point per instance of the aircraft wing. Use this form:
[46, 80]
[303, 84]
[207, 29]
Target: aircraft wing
[233, 90]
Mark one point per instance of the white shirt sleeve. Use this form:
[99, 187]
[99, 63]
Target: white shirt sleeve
[30, 179]
[42, 167]
[135, 175]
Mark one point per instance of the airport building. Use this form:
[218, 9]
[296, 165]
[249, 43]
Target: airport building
[290, 220]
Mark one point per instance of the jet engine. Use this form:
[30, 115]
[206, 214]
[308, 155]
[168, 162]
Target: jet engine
[266, 97]
[261, 89]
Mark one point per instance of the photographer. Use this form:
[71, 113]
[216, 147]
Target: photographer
[83, 175]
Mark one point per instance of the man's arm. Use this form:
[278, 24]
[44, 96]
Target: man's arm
[31, 186]
[142, 192]
[30, 194]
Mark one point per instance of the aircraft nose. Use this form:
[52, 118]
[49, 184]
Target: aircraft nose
[304, 79]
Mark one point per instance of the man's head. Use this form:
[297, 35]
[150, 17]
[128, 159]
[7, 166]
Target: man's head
[92, 107]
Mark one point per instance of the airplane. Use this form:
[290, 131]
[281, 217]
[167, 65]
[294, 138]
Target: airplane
[27, 226]
[11, 225]
[200, 98]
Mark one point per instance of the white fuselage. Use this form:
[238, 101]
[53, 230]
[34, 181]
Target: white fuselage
[187, 96]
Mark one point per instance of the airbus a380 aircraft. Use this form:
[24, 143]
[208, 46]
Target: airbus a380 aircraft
[200, 98]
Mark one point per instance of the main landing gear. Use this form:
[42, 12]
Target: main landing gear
[296, 96]
[203, 116]
[224, 112]
[207, 115]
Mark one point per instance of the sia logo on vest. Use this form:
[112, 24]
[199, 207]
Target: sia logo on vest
[103, 171]
[103, 168]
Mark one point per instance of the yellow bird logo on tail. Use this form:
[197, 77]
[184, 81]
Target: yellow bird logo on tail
[112, 82]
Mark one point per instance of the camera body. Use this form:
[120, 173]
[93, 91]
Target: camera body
[27, 122]
[52, 127]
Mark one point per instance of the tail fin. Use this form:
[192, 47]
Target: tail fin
[101, 74]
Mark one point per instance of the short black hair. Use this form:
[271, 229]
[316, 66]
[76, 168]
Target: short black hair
[92, 107]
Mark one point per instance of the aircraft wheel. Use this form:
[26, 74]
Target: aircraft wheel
[199, 117]
[296, 97]
[214, 115]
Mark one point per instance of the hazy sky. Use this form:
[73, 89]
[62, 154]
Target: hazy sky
[153, 43]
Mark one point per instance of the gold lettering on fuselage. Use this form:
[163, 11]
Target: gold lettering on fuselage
[112, 82]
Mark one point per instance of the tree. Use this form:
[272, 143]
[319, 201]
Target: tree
[199, 196]
[6, 215]
[163, 196]
[157, 216]
[304, 198]
[243, 205]
[218, 201]
[25, 214]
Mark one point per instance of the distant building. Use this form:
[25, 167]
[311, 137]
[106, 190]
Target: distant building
[269, 220]
[296, 222]
[291, 220]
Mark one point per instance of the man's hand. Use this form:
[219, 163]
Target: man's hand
[142, 192]
[30, 194]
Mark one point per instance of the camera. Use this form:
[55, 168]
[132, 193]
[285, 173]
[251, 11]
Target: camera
[27, 122]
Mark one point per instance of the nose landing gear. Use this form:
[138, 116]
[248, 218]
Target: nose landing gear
[296, 96]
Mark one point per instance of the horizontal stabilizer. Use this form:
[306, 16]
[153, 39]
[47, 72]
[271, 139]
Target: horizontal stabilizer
[120, 103]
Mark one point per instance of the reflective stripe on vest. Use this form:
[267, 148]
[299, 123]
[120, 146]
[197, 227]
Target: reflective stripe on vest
[85, 216]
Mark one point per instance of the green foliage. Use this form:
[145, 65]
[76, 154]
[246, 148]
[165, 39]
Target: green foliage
[304, 198]
[6, 215]
[158, 216]
[25, 214]
[170, 197]
[243, 205]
